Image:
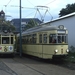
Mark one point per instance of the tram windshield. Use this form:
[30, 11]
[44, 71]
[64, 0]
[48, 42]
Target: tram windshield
[58, 38]
[7, 40]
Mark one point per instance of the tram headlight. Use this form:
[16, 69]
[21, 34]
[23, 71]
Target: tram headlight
[56, 50]
[67, 50]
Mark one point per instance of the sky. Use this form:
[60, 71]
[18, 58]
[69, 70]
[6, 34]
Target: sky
[41, 9]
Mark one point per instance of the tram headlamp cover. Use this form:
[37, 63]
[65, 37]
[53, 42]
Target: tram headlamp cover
[67, 50]
[56, 50]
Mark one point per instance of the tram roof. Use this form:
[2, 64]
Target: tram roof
[6, 33]
[41, 28]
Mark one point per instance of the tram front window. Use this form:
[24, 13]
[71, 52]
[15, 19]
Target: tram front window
[5, 40]
[62, 38]
[58, 38]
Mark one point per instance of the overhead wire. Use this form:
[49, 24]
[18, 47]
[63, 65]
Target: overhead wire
[7, 5]
[46, 8]
[8, 2]
[35, 14]
[31, 3]
[43, 9]
[49, 7]
[50, 2]
[22, 7]
[50, 15]
[29, 14]
[32, 8]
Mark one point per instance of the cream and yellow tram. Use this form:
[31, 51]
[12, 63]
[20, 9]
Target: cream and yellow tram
[45, 42]
[7, 43]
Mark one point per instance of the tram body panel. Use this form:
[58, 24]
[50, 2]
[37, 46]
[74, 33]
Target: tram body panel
[7, 49]
[7, 43]
[38, 41]
[35, 50]
[49, 50]
[44, 51]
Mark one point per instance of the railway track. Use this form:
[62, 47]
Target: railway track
[29, 66]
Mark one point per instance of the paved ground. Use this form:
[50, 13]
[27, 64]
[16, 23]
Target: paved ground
[25, 66]
[11, 67]
[5, 70]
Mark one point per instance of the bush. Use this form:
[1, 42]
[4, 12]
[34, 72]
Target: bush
[72, 49]
[71, 54]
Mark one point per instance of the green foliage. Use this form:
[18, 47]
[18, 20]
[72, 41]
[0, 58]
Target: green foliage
[30, 24]
[71, 54]
[6, 25]
[71, 57]
[70, 8]
[72, 49]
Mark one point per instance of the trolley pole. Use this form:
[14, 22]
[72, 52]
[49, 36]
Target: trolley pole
[20, 32]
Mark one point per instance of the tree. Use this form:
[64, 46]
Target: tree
[70, 8]
[6, 25]
[30, 24]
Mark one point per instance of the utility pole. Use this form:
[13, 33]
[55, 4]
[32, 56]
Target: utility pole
[20, 32]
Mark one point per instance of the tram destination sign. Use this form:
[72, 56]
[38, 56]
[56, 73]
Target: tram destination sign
[61, 31]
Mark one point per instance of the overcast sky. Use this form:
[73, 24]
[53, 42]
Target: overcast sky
[30, 8]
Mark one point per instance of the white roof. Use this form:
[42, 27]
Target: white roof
[69, 15]
[66, 16]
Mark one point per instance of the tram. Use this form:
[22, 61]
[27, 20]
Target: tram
[45, 41]
[7, 43]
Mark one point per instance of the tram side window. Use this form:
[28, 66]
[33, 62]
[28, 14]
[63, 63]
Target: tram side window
[18, 41]
[5, 40]
[40, 38]
[52, 38]
[0, 39]
[28, 39]
[11, 40]
[23, 39]
[45, 38]
[34, 38]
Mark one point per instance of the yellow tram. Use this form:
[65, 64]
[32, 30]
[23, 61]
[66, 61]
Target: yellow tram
[7, 43]
[45, 42]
